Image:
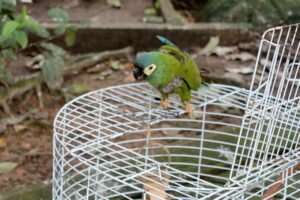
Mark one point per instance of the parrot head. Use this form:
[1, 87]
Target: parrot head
[144, 66]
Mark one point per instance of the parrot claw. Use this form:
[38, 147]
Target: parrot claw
[189, 109]
[164, 104]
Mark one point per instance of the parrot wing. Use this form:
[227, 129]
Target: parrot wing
[191, 73]
[173, 51]
[188, 68]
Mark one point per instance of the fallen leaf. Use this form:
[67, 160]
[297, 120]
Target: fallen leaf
[26, 1]
[197, 115]
[96, 68]
[36, 62]
[20, 171]
[32, 169]
[115, 64]
[2, 143]
[6, 167]
[19, 127]
[150, 11]
[129, 66]
[188, 17]
[248, 46]
[171, 131]
[226, 153]
[71, 4]
[106, 73]
[241, 70]
[103, 75]
[26, 146]
[243, 56]
[94, 19]
[265, 62]
[77, 89]
[279, 182]
[15, 120]
[40, 115]
[3, 127]
[153, 19]
[222, 51]
[129, 78]
[156, 187]
[114, 3]
[235, 77]
[210, 46]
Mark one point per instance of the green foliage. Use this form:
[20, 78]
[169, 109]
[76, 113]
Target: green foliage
[21, 38]
[9, 28]
[15, 31]
[114, 3]
[70, 36]
[61, 17]
[157, 5]
[150, 11]
[79, 88]
[7, 5]
[58, 15]
[32, 24]
[53, 49]
[115, 64]
[6, 167]
[52, 70]
[15, 28]
[155, 10]
[74, 90]
[5, 77]
[8, 53]
[44, 33]
[256, 12]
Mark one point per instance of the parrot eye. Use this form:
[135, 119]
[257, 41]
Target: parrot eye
[148, 70]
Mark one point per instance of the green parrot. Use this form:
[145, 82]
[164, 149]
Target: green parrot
[170, 70]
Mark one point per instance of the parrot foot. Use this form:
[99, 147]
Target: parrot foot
[164, 104]
[189, 109]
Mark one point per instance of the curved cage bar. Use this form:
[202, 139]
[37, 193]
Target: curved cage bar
[116, 143]
[272, 110]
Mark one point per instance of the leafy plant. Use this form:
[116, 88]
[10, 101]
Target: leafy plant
[53, 65]
[7, 7]
[256, 12]
[6, 167]
[61, 17]
[14, 32]
[15, 28]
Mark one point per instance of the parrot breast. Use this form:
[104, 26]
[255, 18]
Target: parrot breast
[175, 83]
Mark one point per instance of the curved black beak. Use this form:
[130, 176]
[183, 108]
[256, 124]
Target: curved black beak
[138, 73]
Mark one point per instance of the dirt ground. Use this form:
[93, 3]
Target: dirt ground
[94, 10]
[29, 143]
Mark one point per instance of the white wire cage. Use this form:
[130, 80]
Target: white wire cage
[116, 143]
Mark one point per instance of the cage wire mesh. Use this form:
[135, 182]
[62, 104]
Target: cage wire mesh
[116, 143]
